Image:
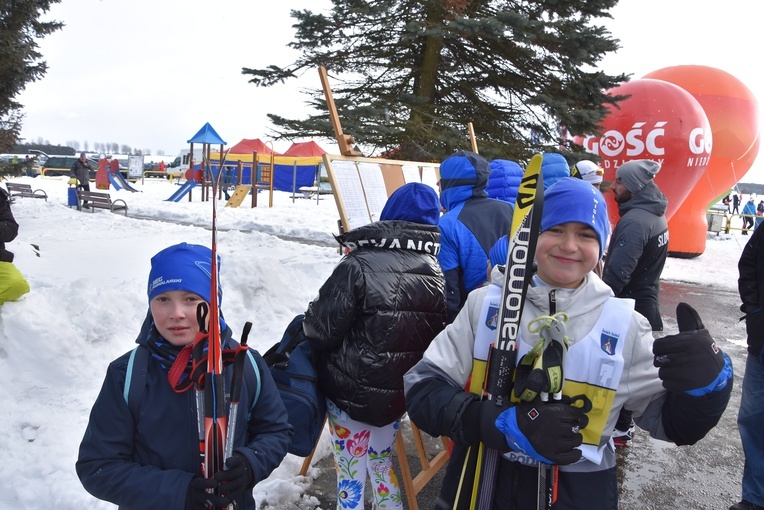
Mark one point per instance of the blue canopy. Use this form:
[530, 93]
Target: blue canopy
[207, 135]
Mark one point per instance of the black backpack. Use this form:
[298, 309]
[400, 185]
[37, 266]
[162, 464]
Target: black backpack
[292, 366]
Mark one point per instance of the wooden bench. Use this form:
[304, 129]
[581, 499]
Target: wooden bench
[311, 191]
[16, 189]
[99, 200]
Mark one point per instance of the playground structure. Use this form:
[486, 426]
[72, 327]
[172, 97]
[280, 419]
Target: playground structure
[248, 167]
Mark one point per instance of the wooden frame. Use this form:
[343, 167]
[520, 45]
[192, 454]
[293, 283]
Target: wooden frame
[362, 185]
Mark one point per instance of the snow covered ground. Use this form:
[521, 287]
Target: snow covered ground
[88, 274]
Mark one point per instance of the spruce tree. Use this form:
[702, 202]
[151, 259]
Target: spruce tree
[20, 60]
[408, 76]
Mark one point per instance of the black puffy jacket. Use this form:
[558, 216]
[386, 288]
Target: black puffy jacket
[375, 316]
[9, 229]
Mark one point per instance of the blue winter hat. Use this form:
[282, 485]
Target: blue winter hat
[571, 199]
[183, 267]
[415, 202]
[498, 252]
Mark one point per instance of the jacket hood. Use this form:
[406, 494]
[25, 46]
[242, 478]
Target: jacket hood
[393, 235]
[462, 176]
[650, 199]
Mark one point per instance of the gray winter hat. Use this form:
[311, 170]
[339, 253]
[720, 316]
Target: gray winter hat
[637, 173]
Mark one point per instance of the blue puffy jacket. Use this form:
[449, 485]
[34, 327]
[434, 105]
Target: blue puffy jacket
[504, 180]
[553, 168]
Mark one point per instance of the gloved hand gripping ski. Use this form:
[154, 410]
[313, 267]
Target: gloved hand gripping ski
[546, 431]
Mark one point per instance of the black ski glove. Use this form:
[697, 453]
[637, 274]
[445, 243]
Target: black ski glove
[691, 361]
[549, 432]
[235, 480]
[197, 497]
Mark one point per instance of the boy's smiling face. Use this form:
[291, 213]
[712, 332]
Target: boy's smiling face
[174, 315]
[566, 253]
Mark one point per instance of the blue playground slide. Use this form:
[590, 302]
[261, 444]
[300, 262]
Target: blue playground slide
[118, 181]
[182, 191]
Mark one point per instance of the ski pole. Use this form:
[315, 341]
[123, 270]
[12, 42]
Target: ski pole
[237, 379]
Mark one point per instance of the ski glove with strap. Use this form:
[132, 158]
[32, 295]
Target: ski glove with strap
[548, 432]
[197, 497]
[235, 480]
[690, 361]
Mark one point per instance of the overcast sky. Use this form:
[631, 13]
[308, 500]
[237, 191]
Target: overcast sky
[149, 73]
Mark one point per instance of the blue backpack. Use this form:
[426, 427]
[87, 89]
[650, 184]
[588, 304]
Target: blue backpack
[292, 366]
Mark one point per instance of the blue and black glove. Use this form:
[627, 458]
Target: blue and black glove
[697, 375]
[547, 431]
[690, 361]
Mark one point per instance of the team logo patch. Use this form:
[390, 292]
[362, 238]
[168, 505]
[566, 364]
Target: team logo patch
[533, 413]
[492, 317]
[608, 342]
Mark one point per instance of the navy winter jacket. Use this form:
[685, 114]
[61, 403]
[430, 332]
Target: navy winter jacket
[751, 288]
[147, 461]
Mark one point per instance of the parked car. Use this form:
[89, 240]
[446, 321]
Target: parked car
[62, 165]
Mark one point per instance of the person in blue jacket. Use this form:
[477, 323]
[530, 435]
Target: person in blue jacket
[145, 454]
[470, 227]
[749, 212]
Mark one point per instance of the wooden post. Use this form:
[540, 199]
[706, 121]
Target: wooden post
[253, 178]
[345, 142]
[472, 138]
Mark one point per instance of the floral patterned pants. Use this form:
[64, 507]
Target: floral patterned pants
[360, 448]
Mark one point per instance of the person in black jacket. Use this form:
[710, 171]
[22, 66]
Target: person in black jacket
[637, 251]
[144, 453]
[372, 321]
[751, 413]
[13, 285]
[81, 171]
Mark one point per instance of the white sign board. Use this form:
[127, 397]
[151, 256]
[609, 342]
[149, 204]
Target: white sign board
[135, 166]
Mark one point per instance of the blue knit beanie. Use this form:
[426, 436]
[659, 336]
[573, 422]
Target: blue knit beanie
[571, 199]
[183, 267]
[415, 202]
[498, 252]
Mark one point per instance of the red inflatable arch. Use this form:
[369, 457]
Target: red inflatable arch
[662, 122]
[732, 111]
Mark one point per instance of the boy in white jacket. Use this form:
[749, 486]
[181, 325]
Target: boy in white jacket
[677, 386]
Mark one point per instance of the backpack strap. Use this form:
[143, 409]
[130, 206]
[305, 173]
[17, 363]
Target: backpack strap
[135, 379]
[257, 376]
